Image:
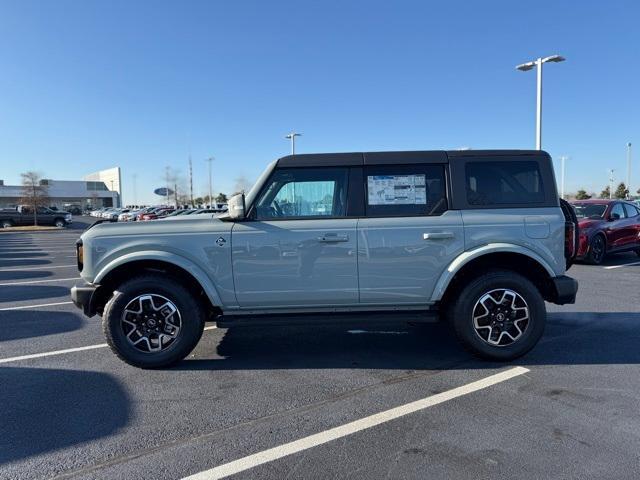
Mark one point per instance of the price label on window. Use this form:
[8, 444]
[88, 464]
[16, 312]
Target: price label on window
[397, 189]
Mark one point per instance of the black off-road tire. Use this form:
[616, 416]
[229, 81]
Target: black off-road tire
[192, 321]
[460, 314]
[59, 222]
[7, 224]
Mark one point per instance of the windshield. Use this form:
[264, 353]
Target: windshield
[590, 210]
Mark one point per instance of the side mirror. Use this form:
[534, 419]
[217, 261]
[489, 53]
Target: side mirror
[614, 216]
[237, 207]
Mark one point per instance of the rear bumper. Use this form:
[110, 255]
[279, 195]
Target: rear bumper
[83, 296]
[563, 290]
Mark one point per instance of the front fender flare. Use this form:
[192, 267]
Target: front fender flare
[465, 257]
[168, 257]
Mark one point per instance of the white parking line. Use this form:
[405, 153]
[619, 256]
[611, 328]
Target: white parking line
[62, 352]
[350, 428]
[25, 307]
[50, 354]
[35, 268]
[620, 266]
[39, 281]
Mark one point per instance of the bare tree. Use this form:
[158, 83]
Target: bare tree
[242, 184]
[35, 192]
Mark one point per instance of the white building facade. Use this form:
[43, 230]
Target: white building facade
[94, 191]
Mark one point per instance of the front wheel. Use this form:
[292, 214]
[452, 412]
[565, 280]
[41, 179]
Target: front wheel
[59, 223]
[7, 224]
[152, 322]
[498, 316]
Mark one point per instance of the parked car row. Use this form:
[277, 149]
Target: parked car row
[148, 213]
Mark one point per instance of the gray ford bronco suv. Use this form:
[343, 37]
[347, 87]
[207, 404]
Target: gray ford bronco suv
[478, 238]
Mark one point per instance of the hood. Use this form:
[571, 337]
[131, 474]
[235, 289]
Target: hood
[169, 226]
[587, 223]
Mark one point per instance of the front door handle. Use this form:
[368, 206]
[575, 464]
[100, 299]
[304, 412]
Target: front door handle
[437, 235]
[332, 238]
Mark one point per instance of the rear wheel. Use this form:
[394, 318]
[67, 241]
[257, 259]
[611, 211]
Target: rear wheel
[7, 224]
[597, 250]
[152, 322]
[498, 316]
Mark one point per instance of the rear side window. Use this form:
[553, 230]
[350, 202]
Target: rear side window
[618, 210]
[504, 183]
[631, 210]
[405, 190]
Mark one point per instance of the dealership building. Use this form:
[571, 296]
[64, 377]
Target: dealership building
[99, 189]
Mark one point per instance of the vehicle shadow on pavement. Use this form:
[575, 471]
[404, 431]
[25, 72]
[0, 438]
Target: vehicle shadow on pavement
[571, 338]
[19, 324]
[17, 293]
[80, 406]
[379, 346]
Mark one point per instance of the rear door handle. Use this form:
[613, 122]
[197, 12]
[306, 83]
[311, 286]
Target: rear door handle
[437, 235]
[332, 238]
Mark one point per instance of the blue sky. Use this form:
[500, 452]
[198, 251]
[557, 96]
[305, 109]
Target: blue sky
[86, 85]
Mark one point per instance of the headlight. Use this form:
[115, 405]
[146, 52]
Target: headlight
[67, 216]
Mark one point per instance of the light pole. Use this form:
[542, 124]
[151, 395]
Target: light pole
[209, 160]
[292, 136]
[562, 175]
[526, 67]
[628, 169]
[611, 183]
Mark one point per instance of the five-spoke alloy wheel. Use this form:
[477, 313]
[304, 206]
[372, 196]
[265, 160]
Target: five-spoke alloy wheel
[151, 322]
[500, 317]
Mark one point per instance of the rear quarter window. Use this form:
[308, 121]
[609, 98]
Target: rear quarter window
[504, 183]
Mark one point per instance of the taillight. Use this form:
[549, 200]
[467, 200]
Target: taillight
[570, 237]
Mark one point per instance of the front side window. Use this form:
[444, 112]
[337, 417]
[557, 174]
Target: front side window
[405, 190]
[303, 192]
[504, 183]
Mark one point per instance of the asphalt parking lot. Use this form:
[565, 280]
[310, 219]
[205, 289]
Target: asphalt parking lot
[341, 401]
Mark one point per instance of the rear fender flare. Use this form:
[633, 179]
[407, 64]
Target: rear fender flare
[464, 258]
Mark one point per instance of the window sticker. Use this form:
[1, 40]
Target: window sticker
[397, 189]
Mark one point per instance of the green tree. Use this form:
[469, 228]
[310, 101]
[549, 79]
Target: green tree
[582, 195]
[605, 193]
[198, 201]
[622, 191]
[221, 198]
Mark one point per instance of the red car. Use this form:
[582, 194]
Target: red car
[158, 213]
[606, 226]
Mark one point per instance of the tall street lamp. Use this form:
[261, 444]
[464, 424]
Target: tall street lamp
[563, 158]
[209, 160]
[292, 136]
[528, 66]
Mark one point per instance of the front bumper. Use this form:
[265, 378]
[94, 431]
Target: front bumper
[563, 290]
[83, 296]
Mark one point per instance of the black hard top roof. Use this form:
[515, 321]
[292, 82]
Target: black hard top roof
[386, 158]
